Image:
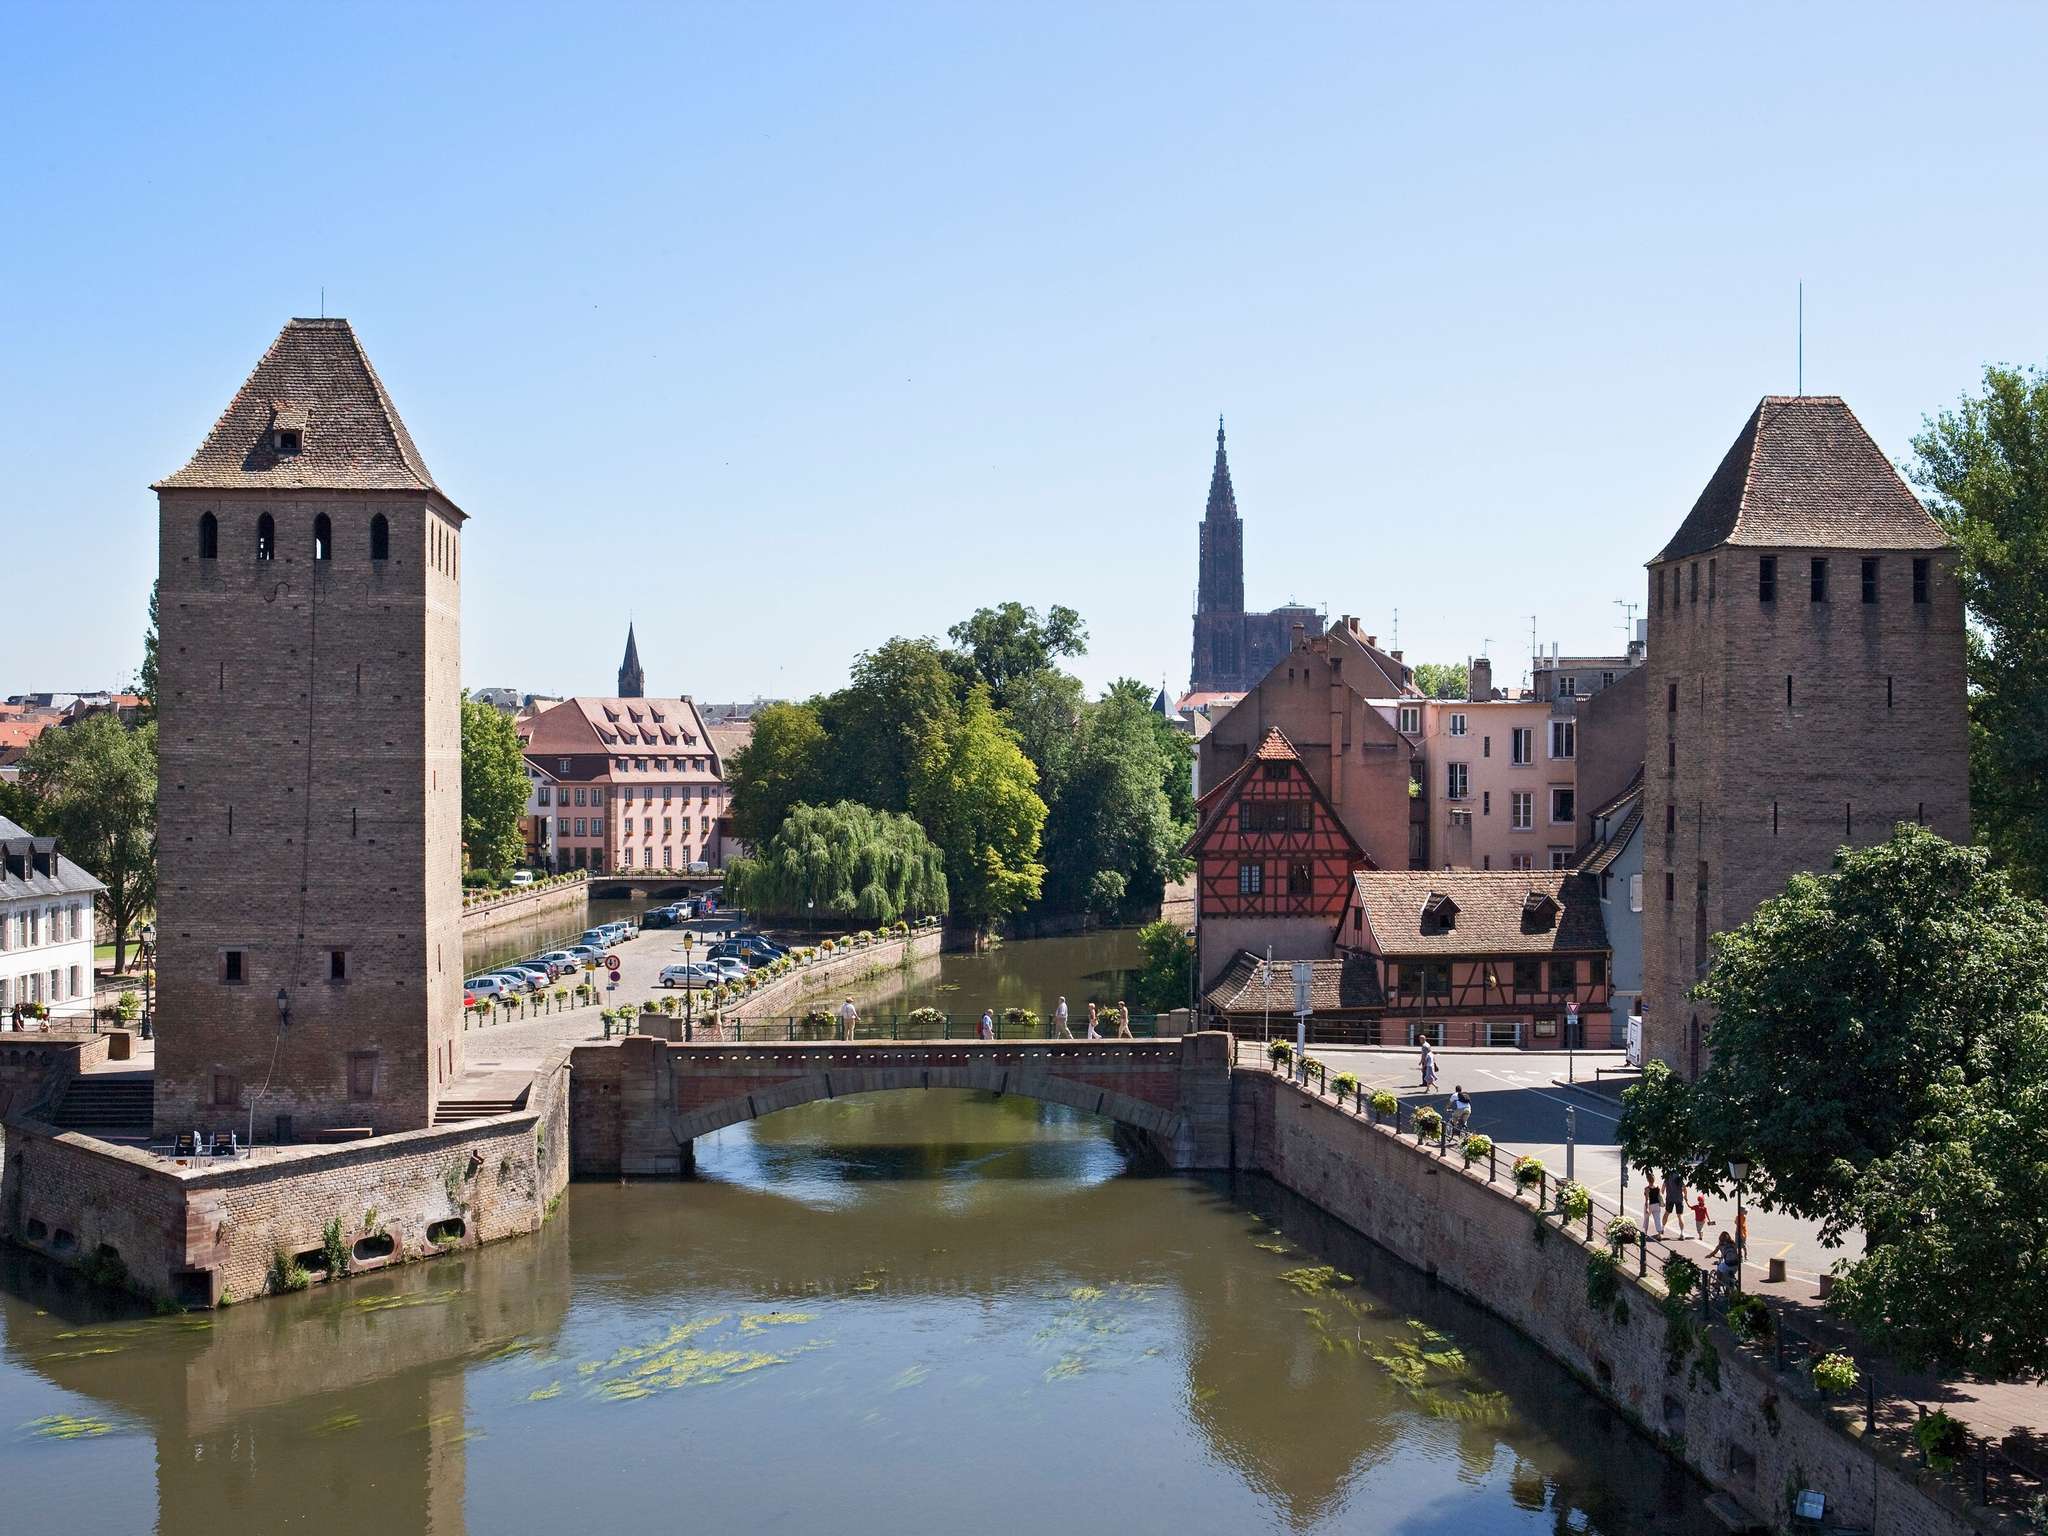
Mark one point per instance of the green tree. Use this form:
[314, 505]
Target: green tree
[93, 787]
[1955, 1273]
[145, 677]
[1842, 1005]
[1045, 711]
[494, 789]
[900, 699]
[1165, 974]
[972, 789]
[1984, 466]
[1000, 646]
[843, 860]
[782, 766]
[1442, 679]
[1111, 841]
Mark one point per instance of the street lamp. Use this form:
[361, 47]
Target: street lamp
[284, 1019]
[1738, 1170]
[689, 985]
[148, 976]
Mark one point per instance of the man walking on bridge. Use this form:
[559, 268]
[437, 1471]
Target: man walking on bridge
[1059, 1021]
[849, 1019]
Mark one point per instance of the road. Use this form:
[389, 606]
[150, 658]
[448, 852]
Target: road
[1517, 1103]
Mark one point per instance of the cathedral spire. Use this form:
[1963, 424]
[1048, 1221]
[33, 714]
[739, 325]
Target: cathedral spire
[631, 684]
[1222, 499]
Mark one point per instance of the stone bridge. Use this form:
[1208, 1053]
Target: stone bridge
[637, 1104]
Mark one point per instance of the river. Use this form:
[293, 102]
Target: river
[896, 1313]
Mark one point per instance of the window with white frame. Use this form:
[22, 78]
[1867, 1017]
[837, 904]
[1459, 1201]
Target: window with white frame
[1563, 805]
[1560, 858]
[1523, 742]
[1635, 893]
[1456, 781]
[1520, 861]
[1521, 810]
[1567, 686]
[1457, 724]
[1410, 719]
[1564, 738]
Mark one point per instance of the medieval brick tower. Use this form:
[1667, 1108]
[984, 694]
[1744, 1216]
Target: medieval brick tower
[309, 902]
[1805, 688]
[1233, 649]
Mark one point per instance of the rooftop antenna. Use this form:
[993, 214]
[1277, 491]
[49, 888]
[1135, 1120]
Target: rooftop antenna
[1628, 621]
[323, 301]
[1802, 338]
[1397, 629]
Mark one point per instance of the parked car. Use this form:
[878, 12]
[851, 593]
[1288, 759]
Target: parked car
[586, 953]
[482, 987]
[658, 917]
[696, 973]
[593, 936]
[520, 981]
[522, 877]
[537, 975]
[699, 867]
[729, 968]
[560, 959]
[732, 949]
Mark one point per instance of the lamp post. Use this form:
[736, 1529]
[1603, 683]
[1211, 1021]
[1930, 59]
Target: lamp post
[148, 976]
[1738, 1170]
[284, 1019]
[689, 986]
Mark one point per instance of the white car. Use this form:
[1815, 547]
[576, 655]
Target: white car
[695, 973]
[481, 987]
[522, 877]
[729, 969]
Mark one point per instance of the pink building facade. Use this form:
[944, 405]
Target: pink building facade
[630, 784]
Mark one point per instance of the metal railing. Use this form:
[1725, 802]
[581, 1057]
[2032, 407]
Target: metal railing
[1996, 1475]
[915, 1025]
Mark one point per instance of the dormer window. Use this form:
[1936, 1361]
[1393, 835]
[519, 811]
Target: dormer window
[1539, 909]
[1439, 913]
[285, 441]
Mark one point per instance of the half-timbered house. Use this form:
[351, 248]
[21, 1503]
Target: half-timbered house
[1273, 862]
[1482, 957]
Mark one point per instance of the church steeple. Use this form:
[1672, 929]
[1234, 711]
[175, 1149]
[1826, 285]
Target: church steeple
[631, 684]
[1221, 583]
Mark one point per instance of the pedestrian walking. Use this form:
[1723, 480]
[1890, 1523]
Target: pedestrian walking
[1742, 1233]
[988, 1024]
[1123, 1022]
[1059, 1021]
[849, 1019]
[1674, 1199]
[1428, 1068]
[1653, 1209]
[1699, 1217]
[1094, 1023]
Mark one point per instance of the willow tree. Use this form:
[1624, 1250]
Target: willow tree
[844, 861]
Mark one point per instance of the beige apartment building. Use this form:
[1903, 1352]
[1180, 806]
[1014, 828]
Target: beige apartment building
[1502, 777]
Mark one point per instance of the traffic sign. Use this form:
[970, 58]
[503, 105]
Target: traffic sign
[1302, 972]
[611, 962]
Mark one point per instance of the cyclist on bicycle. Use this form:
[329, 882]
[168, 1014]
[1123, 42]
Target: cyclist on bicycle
[1460, 1109]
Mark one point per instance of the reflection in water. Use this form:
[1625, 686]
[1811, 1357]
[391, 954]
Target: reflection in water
[891, 1313]
[1031, 973]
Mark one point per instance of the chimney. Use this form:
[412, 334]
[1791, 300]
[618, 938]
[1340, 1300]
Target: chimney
[1479, 681]
[1337, 713]
[1395, 654]
[1300, 635]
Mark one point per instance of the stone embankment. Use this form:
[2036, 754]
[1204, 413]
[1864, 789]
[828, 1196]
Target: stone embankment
[558, 894]
[1755, 1436]
[787, 992]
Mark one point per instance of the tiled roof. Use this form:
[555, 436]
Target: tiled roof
[317, 379]
[1495, 915]
[620, 727]
[1350, 981]
[1803, 474]
[1600, 858]
[18, 875]
[1631, 790]
[729, 737]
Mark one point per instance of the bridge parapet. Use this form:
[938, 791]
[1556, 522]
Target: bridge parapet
[638, 1103]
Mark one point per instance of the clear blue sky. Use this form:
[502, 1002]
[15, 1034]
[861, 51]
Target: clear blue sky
[787, 329]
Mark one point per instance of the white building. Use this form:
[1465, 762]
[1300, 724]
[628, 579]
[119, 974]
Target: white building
[46, 926]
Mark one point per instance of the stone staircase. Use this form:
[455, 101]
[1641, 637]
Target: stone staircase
[453, 1111]
[114, 1106]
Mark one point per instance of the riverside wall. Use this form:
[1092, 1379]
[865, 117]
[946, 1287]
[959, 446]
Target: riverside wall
[1750, 1435]
[523, 906]
[787, 992]
[205, 1232]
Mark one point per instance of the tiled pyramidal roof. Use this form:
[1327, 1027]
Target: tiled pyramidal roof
[315, 380]
[1803, 474]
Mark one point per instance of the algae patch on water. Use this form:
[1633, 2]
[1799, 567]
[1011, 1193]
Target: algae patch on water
[65, 1426]
[676, 1360]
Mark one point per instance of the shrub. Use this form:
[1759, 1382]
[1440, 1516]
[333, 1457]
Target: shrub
[1942, 1440]
[1476, 1146]
[1279, 1050]
[1834, 1374]
[1020, 1018]
[1621, 1232]
[129, 1008]
[1346, 1084]
[1528, 1171]
[1428, 1123]
[1750, 1317]
[1310, 1067]
[1384, 1102]
[1603, 1285]
[335, 1249]
[926, 1019]
[286, 1273]
[1682, 1278]
[1574, 1200]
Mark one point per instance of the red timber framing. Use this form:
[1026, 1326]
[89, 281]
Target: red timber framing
[1268, 843]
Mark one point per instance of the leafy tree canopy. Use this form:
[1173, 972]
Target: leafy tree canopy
[845, 860]
[494, 789]
[1442, 679]
[973, 790]
[1112, 841]
[92, 786]
[999, 646]
[1984, 466]
[783, 764]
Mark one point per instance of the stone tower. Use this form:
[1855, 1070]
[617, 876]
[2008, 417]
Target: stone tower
[1233, 649]
[631, 684]
[309, 819]
[1805, 689]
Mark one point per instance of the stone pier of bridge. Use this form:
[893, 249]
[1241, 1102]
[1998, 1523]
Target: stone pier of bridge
[638, 1104]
